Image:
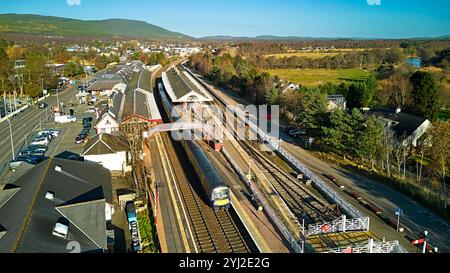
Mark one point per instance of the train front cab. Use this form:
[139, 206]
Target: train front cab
[221, 198]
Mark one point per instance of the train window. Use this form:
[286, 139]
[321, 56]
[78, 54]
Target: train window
[221, 193]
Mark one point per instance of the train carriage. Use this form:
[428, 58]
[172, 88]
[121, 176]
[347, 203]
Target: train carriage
[217, 191]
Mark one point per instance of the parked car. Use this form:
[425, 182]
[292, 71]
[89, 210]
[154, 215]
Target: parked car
[38, 146]
[87, 120]
[32, 152]
[90, 103]
[65, 119]
[41, 141]
[296, 133]
[80, 138]
[92, 110]
[42, 105]
[287, 129]
[52, 132]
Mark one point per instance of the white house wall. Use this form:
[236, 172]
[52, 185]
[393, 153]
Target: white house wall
[112, 162]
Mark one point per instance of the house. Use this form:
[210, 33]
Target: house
[54, 203]
[110, 118]
[290, 87]
[108, 150]
[407, 128]
[337, 102]
[103, 86]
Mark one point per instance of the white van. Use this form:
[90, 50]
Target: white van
[65, 119]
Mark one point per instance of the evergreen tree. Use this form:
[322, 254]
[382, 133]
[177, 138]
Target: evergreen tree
[425, 95]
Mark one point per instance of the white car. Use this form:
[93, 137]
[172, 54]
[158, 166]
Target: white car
[65, 119]
[54, 133]
[40, 141]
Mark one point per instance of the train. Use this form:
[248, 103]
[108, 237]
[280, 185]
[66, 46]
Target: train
[218, 192]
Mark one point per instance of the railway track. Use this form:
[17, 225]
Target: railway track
[298, 198]
[213, 231]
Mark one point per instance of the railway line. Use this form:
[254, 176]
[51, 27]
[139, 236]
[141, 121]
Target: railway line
[298, 198]
[213, 231]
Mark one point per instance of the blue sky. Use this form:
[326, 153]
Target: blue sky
[317, 18]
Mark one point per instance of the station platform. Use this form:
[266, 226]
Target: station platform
[169, 224]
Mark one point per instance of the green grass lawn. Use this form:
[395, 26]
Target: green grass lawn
[315, 77]
[444, 115]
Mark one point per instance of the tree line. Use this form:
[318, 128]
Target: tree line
[367, 59]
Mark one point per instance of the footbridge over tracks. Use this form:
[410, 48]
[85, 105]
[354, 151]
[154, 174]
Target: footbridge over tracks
[173, 127]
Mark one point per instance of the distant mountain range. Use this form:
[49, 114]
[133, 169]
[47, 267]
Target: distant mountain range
[299, 38]
[56, 26]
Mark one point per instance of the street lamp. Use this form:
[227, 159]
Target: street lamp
[12, 142]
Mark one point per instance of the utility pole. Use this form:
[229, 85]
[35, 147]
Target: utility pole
[12, 142]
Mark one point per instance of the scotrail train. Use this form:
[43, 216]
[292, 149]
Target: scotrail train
[217, 190]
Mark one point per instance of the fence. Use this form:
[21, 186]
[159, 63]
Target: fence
[371, 247]
[339, 225]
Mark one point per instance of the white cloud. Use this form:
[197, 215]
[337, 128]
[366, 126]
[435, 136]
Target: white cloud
[74, 2]
[374, 2]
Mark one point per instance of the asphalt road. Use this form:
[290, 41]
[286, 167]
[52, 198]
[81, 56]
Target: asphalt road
[416, 218]
[25, 123]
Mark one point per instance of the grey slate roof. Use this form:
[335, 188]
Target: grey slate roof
[406, 123]
[80, 191]
[102, 85]
[105, 144]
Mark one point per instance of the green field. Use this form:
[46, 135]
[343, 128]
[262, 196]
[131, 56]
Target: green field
[309, 55]
[315, 77]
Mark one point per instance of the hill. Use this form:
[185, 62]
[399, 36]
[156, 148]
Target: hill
[56, 26]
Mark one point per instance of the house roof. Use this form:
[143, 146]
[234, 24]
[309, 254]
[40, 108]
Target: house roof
[404, 124]
[80, 191]
[105, 144]
[182, 88]
[101, 85]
